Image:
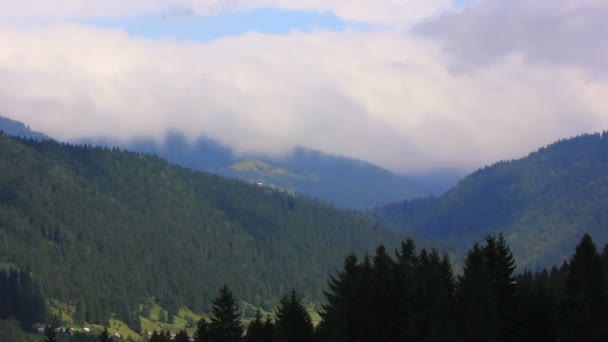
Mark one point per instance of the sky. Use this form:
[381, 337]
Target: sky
[411, 85]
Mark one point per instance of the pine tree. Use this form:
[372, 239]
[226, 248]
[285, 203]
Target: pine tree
[384, 298]
[293, 321]
[105, 336]
[225, 321]
[268, 329]
[255, 331]
[202, 331]
[341, 315]
[160, 337]
[476, 301]
[432, 304]
[182, 336]
[162, 316]
[583, 308]
[605, 260]
[501, 264]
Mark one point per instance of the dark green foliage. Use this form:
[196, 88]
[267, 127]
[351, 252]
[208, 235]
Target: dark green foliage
[87, 222]
[410, 298]
[543, 203]
[170, 317]
[104, 336]
[486, 293]
[162, 316]
[21, 298]
[11, 332]
[49, 334]
[584, 305]
[159, 337]
[344, 312]
[225, 323]
[605, 260]
[202, 331]
[344, 182]
[259, 330]
[536, 308]
[182, 336]
[293, 322]
[487, 303]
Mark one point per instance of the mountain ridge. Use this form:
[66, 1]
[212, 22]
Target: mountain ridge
[543, 202]
[123, 227]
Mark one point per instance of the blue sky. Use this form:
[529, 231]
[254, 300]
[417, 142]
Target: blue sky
[182, 24]
[185, 26]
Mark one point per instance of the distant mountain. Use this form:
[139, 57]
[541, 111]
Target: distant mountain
[543, 203]
[104, 230]
[17, 128]
[344, 182]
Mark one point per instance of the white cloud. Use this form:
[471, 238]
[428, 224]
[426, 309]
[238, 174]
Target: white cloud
[387, 96]
[564, 32]
[377, 11]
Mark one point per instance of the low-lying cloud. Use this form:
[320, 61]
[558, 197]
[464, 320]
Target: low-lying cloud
[407, 99]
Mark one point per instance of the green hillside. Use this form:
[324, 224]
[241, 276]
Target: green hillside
[103, 231]
[543, 203]
[341, 181]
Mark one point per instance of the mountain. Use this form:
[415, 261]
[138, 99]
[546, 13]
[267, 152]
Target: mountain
[103, 230]
[344, 182]
[543, 203]
[341, 181]
[17, 128]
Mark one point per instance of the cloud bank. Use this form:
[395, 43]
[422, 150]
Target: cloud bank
[427, 87]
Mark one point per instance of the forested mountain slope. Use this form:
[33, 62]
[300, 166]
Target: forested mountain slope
[344, 182]
[17, 128]
[543, 203]
[104, 230]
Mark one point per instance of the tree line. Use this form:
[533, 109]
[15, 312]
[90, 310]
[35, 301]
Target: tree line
[415, 296]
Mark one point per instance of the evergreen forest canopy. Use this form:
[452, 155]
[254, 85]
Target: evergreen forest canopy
[103, 231]
[542, 202]
[341, 181]
[344, 182]
[415, 296]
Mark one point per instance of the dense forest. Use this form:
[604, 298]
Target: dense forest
[344, 182]
[415, 296]
[103, 231]
[541, 202]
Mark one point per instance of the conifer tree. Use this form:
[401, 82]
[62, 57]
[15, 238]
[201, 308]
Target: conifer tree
[202, 331]
[476, 302]
[384, 294]
[162, 316]
[255, 331]
[605, 260]
[583, 307]
[225, 323]
[293, 321]
[268, 329]
[501, 265]
[343, 314]
[432, 315]
[105, 336]
[182, 336]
